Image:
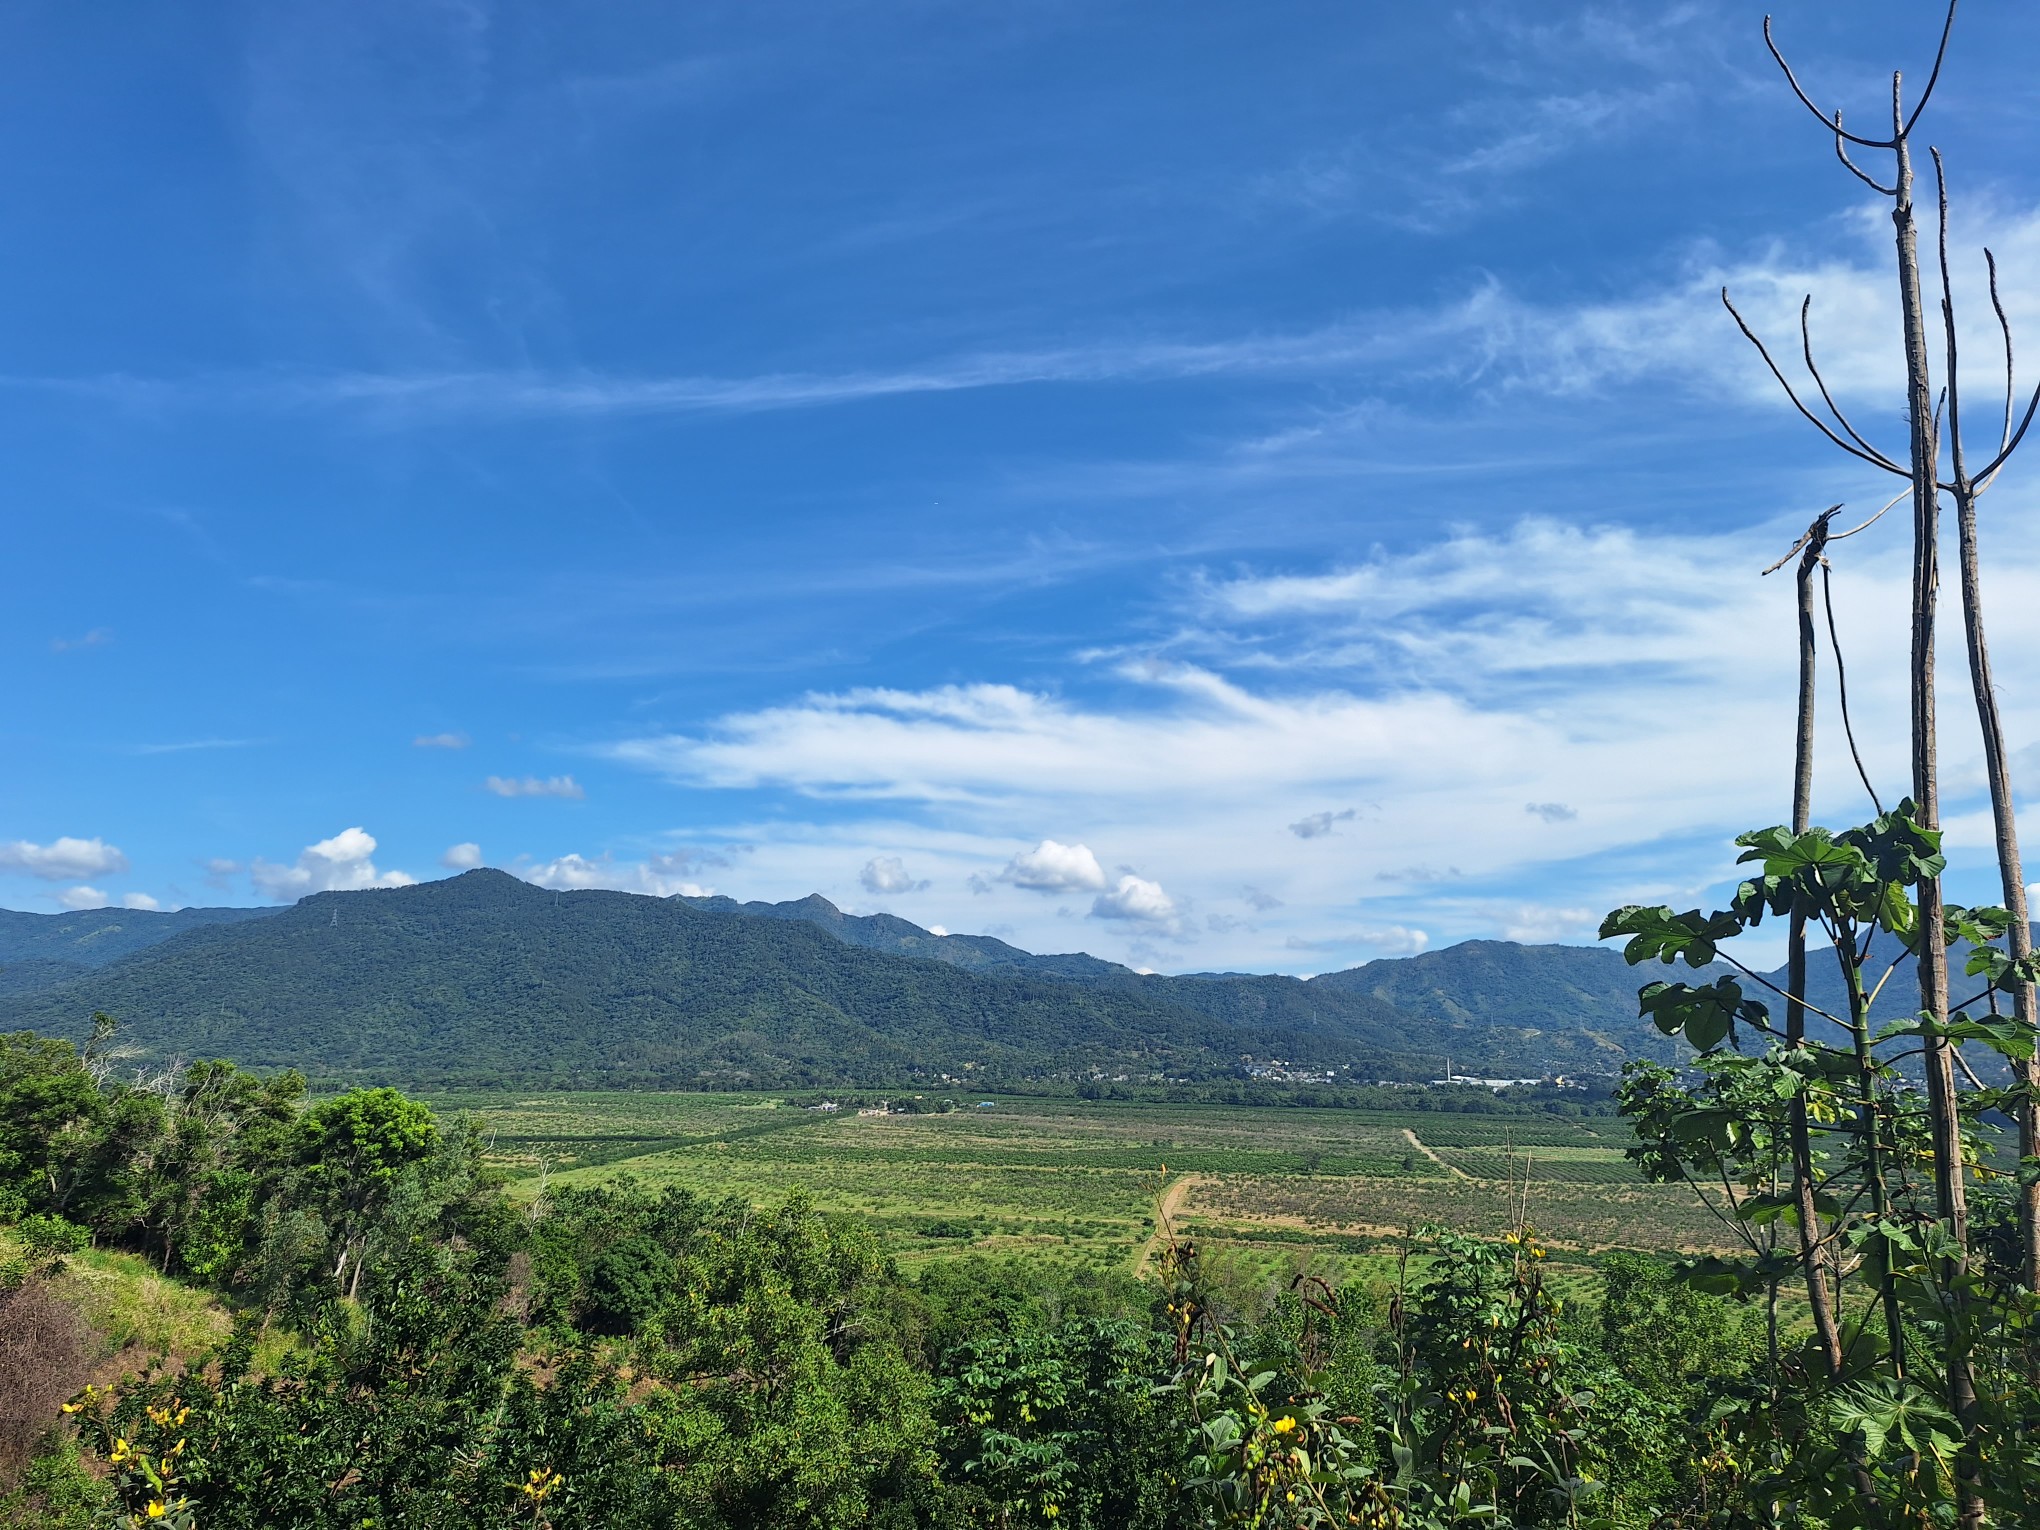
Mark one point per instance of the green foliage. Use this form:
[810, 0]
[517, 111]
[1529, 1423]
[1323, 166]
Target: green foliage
[1065, 1427]
[1813, 1147]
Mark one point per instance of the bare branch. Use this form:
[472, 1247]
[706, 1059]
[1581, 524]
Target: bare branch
[1842, 154]
[1991, 468]
[1833, 126]
[1948, 322]
[2005, 328]
[1827, 596]
[1816, 529]
[1866, 525]
[1813, 419]
[1940, 53]
[1806, 349]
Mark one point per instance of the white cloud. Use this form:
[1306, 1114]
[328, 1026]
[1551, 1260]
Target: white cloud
[1387, 939]
[888, 874]
[63, 859]
[1051, 867]
[936, 929]
[81, 897]
[465, 856]
[1312, 825]
[1534, 924]
[534, 786]
[658, 876]
[339, 864]
[140, 901]
[196, 745]
[1445, 686]
[1551, 812]
[98, 637]
[440, 741]
[1135, 898]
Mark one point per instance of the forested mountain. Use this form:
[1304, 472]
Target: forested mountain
[1540, 987]
[93, 937]
[485, 977]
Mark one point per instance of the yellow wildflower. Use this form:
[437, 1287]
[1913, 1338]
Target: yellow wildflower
[1284, 1425]
[157, 1508]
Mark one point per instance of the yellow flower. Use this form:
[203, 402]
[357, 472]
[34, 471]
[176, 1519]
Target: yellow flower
[1284, 1425]
[121, 1451]
[157, 1508]
[72, 1407]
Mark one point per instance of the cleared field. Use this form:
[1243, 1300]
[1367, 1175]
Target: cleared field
[1274, 1192]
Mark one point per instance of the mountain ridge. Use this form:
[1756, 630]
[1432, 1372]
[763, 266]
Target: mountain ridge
[484, 976]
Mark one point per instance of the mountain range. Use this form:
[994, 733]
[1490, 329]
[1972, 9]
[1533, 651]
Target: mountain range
[485, 978]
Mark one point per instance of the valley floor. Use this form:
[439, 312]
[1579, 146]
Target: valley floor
[1269, 1192]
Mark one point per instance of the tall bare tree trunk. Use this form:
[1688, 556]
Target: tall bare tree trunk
[2011, 871]
[1950, 1190]
[1818, 1295]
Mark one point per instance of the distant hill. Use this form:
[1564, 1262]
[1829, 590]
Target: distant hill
[1544, 987]
[94, 937]
[1537, 1008]
[483, 977]
[887, 932]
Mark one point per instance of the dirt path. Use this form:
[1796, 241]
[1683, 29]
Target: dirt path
[1428, 1153]
[1167, 1205]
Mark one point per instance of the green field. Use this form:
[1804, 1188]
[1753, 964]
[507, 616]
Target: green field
[1271, 1192]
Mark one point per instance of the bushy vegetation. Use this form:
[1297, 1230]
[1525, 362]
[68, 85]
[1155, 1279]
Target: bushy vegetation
[411, 1346]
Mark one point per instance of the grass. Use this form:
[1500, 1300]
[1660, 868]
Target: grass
[1276, 1192]
[129, 1306]
[131, 1309]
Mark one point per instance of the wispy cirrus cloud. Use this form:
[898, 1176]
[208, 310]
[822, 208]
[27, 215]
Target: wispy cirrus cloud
[535, 786]
[189, 746]
[1668, 329]
[1485, 690]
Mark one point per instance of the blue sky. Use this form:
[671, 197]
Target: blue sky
[1256, 487]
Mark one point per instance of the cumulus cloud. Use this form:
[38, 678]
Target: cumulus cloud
[1551, 812]
[63, 859]
[1312, 825]
[440, 741]
[1135, 898]
[1051, 867]
[339, 864]
[465, 856]
[657, 876]
[82, 897]
[1257, 899]
[888, 874]
[139, 900]
[534, 786]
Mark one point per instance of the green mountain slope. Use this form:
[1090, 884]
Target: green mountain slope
[1578, 1001]
[485, 977]
[94, 937]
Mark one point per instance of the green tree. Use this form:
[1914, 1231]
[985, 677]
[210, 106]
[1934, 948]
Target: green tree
[356, 1148]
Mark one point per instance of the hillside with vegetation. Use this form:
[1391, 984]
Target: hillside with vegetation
[483, 978]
